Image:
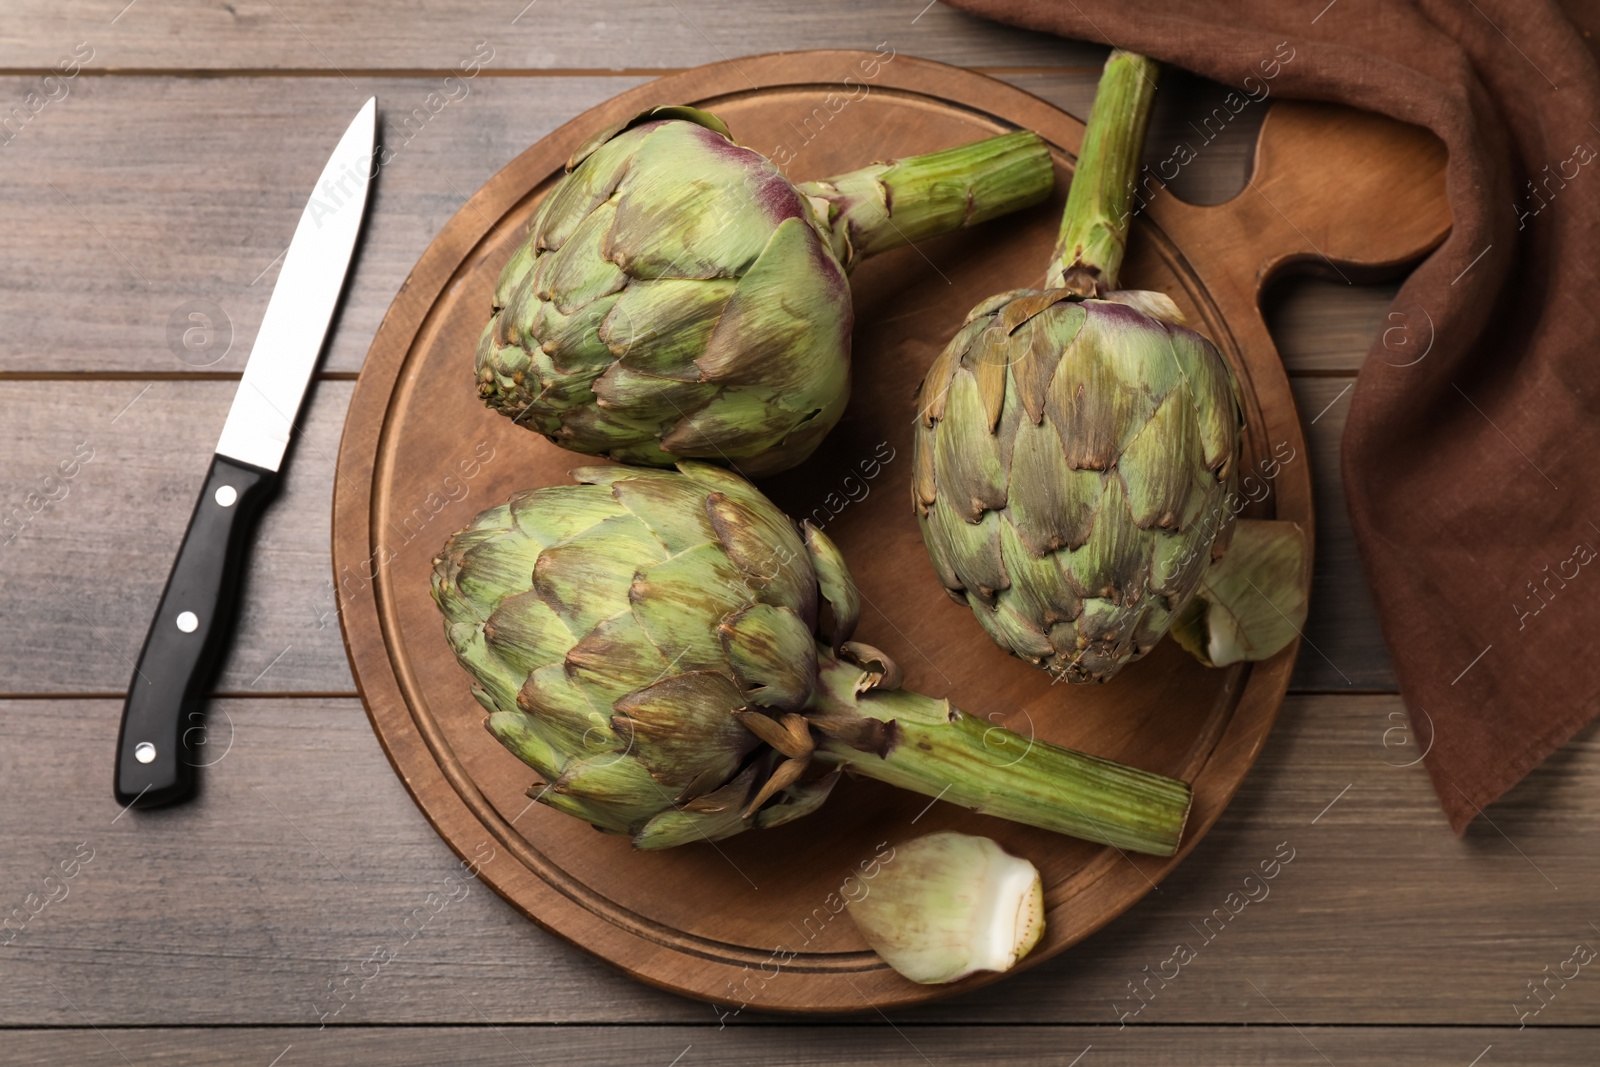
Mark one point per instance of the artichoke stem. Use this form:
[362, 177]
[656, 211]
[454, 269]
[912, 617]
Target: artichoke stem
[1094, 226]
[887, 205]
[940, 751]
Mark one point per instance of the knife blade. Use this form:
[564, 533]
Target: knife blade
[163, 717]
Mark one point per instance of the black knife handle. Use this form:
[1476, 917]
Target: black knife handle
[166, 697]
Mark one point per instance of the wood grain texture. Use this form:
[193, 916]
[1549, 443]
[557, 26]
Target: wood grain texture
[105, 263]
[812, 1046]
[409, 430]
[307, 35]
[231, 914]
[303, 856]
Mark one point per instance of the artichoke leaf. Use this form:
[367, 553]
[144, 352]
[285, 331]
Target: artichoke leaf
[838, 588]
[1252, 602]
[772, 654]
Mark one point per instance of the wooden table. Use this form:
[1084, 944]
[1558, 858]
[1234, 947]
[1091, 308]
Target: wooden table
[164, 178]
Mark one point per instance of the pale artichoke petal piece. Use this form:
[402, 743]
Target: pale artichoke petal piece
[516, 272]
[806, 430]
[1213, 392]
[659, 113]
[924, 487]
[988, 359]
[1097, 399]
[496, 687]
[948, 905]
[1022, 307]
[993, 304]
[773, 655]
[721, 480]
[569, 202]
[941, 557]
[489, 568]
[1022, 635]
[591, 422]
[1252, 603]
[731, 425]
[595, 815]
[571, 341]
[934, 391]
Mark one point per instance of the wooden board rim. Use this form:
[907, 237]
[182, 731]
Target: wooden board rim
[365, 618]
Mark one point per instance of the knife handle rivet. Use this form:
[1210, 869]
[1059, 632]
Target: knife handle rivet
[226, 495]
[144, 752]
[188, 622]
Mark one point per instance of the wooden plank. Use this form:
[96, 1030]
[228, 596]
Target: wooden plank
[212, 175]
[303, 856]
[92, 559]
[1343, 648]
[602, 35]
[91, 563]
[792, 1046]
[1327, 327]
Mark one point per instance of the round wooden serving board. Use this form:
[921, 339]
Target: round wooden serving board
[753, 921]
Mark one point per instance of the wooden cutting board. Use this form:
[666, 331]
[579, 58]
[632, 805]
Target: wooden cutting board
[753, 922]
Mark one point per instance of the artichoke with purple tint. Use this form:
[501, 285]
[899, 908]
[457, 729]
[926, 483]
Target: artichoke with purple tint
[1077, 445]
[678, 297]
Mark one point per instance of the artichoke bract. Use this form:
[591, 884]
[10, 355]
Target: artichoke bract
[1077, 445]
[678, 297]
[648, 642]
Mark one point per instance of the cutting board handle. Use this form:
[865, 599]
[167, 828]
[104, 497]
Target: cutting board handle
[1357, 192]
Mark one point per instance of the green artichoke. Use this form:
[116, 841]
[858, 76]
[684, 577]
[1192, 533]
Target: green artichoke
[1077, 445]
[647, 641]
[678, 297]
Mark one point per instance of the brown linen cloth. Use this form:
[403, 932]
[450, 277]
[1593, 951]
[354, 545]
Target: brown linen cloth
[1471, 472]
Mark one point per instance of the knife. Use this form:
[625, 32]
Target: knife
[166, 697]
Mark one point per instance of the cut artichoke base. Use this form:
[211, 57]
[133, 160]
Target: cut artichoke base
[948, 905]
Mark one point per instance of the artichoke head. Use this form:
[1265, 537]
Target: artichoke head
[644, 640]
[676, 297]
[1072, 461]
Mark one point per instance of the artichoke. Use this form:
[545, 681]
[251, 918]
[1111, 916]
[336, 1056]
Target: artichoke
[948, 905]
[1077, 445]
[647, 641]
[677, 296]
